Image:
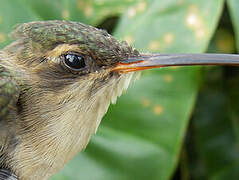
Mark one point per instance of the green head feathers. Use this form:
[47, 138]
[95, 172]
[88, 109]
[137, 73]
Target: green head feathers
[40, 37]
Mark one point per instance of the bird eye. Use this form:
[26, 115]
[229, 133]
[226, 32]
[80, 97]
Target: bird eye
[74, 62]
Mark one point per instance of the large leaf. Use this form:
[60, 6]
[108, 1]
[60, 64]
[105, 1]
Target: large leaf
[12, 12]
[233, 7]
[171, 26]
[216, 129]
[86, 11]
[141, 136]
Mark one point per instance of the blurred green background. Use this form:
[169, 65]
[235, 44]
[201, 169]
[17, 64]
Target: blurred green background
[173, 123]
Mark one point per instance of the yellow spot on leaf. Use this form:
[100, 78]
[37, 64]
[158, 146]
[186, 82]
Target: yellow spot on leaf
[65, 14]
[192, 20]
[154, 45]
[195, 22]
[168, 38]
[129, 39]
[141, 6]
[168, 78]
[225, 41]
[3, 37]
[80, 4]
[157, 109]
[146, 102]
[131, 12]
[88, 10]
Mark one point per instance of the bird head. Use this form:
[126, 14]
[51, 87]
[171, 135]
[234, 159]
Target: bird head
[68, 74]
[67, 78]
[67, 67]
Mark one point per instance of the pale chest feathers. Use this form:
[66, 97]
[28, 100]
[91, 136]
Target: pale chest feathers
[77, 119]
[82, 116]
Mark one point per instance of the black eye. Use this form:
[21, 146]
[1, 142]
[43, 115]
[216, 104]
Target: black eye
[74, 62]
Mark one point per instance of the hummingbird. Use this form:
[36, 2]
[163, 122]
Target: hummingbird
[57, 80]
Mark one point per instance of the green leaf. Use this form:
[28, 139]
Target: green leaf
[141, 136]
[12, 12]
[85, 11]
[216, 128]
[89, 12]
[171, 26]
[233, 7]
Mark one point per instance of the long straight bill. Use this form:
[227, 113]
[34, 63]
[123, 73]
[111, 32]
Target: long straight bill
[150, 61]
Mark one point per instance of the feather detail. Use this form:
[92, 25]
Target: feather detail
[5, 174]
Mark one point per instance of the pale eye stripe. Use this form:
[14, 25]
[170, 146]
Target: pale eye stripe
[61, 49]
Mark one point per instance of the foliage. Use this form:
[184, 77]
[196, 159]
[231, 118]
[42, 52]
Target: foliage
[142, 136]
